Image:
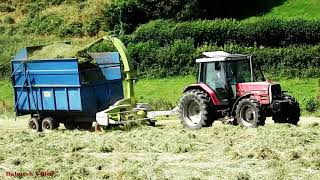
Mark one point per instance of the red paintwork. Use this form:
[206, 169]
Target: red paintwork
[207, 89]
[258, 89]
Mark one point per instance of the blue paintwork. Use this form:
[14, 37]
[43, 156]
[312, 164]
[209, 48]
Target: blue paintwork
[54, 85]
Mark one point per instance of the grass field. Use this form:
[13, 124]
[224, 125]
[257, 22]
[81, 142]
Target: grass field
[167, 151]
[163, 94]
[307, 9]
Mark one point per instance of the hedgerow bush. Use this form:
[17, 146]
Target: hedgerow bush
[261, 32]
[11, 44]
[8, 20]
[128, 14]
[6, 8]
[43, 24]
[153, 60]
[72, 29]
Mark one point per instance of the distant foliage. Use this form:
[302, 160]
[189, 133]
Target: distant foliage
[8, 20]
[286, 48]
[153, 60]
[6, 8]
[261, 32]
[43, 25]
[312, 105]
[180, 32]
[128, 14]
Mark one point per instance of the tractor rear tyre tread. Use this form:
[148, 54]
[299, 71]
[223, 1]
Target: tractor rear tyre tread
[203, 103]
[253, 107]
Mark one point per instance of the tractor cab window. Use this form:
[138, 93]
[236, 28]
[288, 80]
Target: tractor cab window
[257, 73]
[215, 78]
[238, 71]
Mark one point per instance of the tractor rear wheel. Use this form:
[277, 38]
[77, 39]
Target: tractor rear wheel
[290, 115]
[195, 109]
[249, 113]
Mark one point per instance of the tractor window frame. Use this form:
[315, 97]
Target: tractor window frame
[257, 72]
[216, 80]
[236, 74]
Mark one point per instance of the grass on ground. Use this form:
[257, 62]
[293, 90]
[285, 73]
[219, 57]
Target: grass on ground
[167, 151]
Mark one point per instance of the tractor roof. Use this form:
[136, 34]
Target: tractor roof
[221, 56]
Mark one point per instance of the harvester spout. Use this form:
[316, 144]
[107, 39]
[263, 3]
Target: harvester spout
[125, 110]
[129, 94]
[127, 67]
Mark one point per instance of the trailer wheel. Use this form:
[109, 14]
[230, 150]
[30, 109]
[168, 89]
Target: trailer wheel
[35, 124]
[49, 124]
[85, 125]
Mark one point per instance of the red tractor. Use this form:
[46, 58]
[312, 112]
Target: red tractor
[230, 85]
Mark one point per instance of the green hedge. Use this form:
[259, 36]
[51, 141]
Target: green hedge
[260, 32]
[128, 14]
[153, 60]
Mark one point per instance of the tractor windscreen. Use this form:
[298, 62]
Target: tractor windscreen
[257, 73]
[238, 71]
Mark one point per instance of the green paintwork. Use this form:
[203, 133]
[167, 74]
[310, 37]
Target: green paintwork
[115, 112]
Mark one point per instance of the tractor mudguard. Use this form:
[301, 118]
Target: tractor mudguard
[207, 89]
[238, 100]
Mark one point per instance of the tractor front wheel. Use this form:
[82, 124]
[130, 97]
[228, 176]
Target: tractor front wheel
[249, 113]
[290, 115]
[195, 110]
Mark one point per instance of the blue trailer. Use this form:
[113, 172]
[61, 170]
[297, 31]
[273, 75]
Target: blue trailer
[55, 91]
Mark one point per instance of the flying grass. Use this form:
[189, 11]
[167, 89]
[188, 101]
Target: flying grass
[54, 51]
[167, 151]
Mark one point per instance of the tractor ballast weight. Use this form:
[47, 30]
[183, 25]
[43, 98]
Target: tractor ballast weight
[231, 86]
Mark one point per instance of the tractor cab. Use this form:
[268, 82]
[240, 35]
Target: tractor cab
[232, 86]
[222, 71]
